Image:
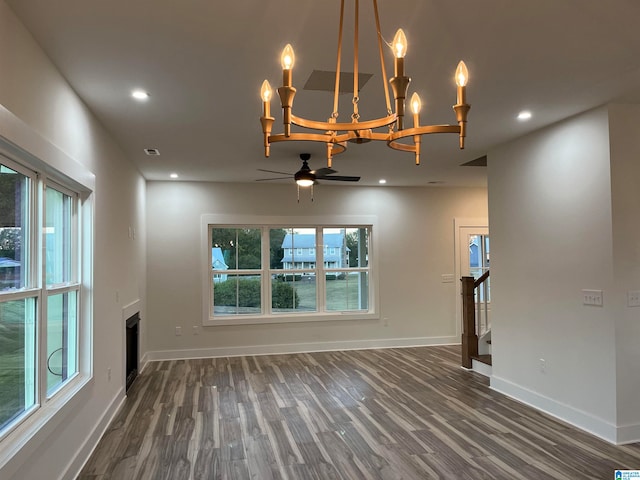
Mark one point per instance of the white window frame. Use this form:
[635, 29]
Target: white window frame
[50, 165]
[255, 221]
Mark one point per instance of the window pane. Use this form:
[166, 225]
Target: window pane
[17, 358]
[236, 248]
[61, 338]
[293, 292]
[14, 208]
[296, 249]
[347, 291]
[357, 242]
[237, 295]
[335, 248]
[276, 247]
[58, 237]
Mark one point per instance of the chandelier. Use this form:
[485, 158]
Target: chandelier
[390, 129]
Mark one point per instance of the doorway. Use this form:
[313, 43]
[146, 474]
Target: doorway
[472, 247]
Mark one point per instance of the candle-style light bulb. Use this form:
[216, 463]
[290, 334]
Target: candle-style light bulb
[266, 91]
[462, 74]
[416, 105]
[399, 44]
[287, 59]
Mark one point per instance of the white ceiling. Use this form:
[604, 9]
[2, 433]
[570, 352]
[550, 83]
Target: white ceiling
[203, 62]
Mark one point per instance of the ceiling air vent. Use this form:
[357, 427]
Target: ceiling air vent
[478, 162]
[325, 81]
[153, 152]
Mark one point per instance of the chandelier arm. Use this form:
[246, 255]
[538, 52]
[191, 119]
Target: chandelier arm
[304, 137]
[382, 67]
[338, 147]
[336, 90]
[403, 147]
[426, 130]
[351, 126]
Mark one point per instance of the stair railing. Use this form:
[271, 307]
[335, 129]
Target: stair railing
[475, 315]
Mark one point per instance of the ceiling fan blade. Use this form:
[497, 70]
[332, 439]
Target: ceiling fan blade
[339, 178]
[321, 172]
[273, 171]
[274, 178]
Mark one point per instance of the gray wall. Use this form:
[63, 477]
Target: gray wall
[44, 107]
[415, 247]
[560, 210]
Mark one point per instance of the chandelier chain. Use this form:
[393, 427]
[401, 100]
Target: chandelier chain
[355, 115]
[339, 57]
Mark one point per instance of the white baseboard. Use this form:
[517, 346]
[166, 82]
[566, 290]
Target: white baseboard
[628, 434]
[582, 420]
[143, 362]
[91, 442]
[278, 349]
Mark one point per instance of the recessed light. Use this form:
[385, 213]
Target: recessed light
[140, 94]
[173, 175]
[382, 181]
[153, 152]
[524, 115]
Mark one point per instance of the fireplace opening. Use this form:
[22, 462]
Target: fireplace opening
[132, 327]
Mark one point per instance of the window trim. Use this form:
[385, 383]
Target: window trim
[332, 221]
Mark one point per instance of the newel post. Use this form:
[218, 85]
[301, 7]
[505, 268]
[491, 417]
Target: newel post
[469, 337]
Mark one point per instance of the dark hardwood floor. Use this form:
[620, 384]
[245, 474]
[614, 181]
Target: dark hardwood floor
[409, 413]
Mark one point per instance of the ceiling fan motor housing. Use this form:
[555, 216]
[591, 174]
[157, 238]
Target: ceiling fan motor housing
[304, 174]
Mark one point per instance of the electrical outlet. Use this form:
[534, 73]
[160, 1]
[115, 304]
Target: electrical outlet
[633, 298]
[178, 331]
[543, 365]
[109, 374]
[196, 330]
[592, 297]
[446, 278]
[385, 321]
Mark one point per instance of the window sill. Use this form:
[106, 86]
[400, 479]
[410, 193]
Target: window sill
[32, 431]
[289, 318]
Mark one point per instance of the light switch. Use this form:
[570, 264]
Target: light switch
[592, 297]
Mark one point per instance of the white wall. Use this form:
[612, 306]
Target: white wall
[34, 92]
[625, 181]
[551, 232]
[416, 246]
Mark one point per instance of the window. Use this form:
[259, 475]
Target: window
[271, 273]
[40, 291]
[238, 290]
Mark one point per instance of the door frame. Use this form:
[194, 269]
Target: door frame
[461, 225]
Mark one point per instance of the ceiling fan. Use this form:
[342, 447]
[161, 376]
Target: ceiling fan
[305, 177]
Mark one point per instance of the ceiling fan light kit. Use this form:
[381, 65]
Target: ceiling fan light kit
[334, 134]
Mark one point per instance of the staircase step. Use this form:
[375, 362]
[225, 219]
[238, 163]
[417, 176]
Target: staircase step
[486, 359]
